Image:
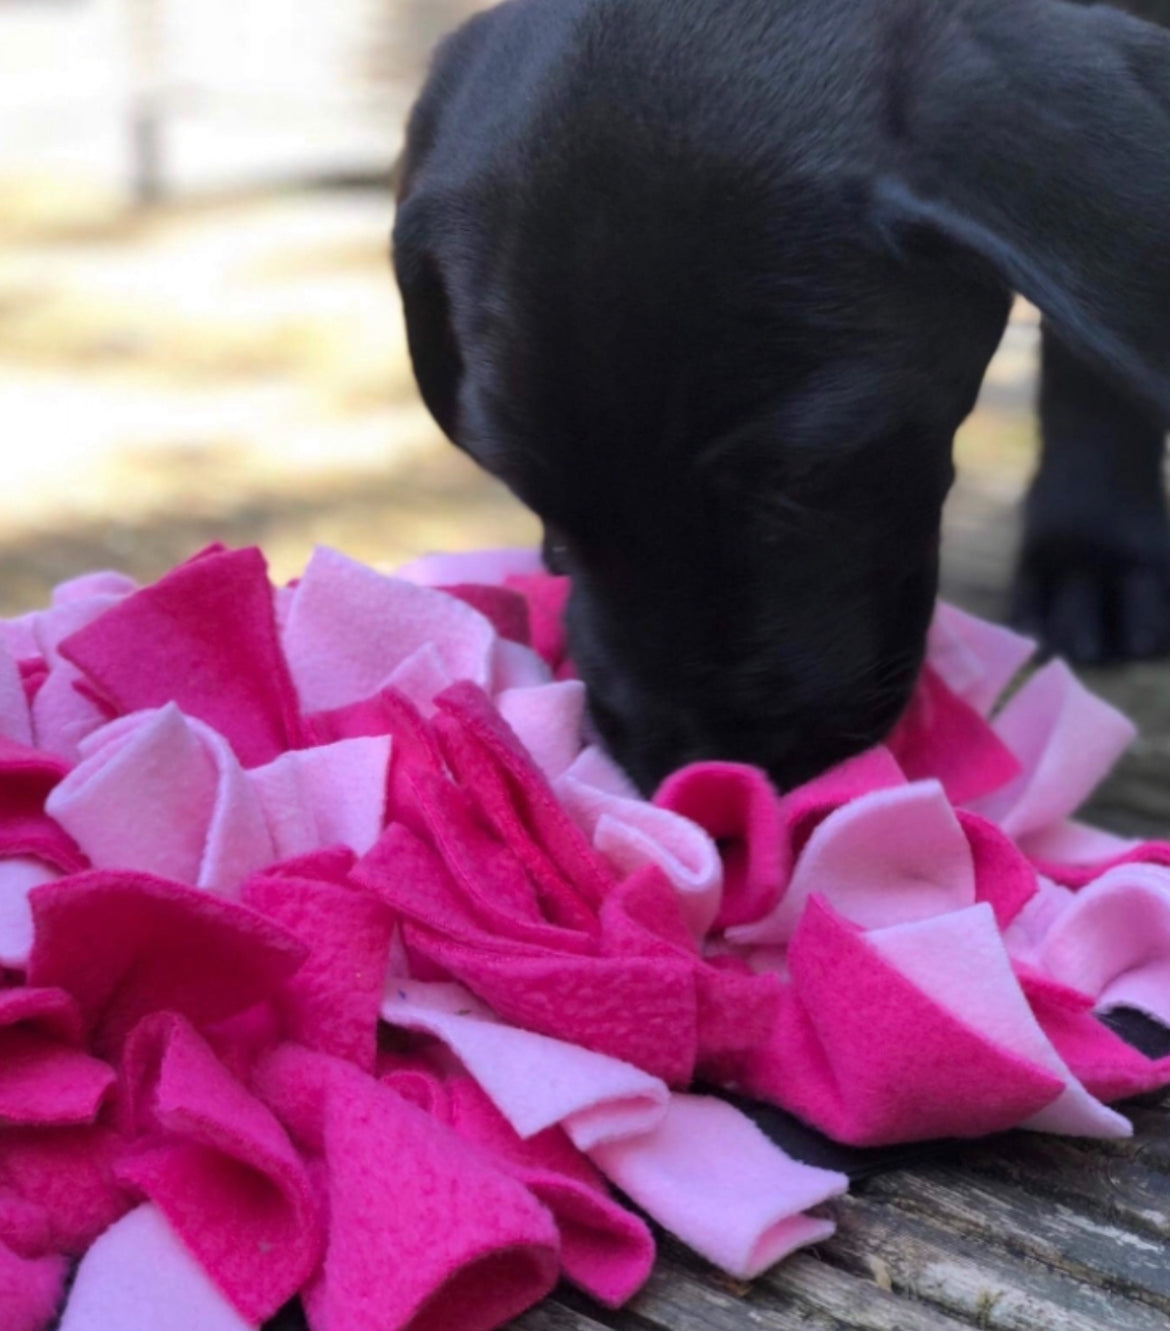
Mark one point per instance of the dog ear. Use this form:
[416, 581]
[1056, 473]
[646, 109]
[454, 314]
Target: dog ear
[1036, 133]
[434, 351]
[420, 225]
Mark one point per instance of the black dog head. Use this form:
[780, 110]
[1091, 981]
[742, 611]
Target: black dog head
[711, 284]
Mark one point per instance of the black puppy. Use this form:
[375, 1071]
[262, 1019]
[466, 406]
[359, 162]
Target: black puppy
[712, 283]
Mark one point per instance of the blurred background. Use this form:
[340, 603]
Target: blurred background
[200, 338]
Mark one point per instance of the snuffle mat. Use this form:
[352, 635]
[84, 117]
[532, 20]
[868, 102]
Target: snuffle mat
[338, 962]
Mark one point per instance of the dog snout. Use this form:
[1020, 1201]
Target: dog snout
[793, 740]
[651, 739]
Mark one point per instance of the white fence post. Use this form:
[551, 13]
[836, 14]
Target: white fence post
[147, 99]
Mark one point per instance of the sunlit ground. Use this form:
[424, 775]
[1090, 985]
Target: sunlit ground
[234, 372]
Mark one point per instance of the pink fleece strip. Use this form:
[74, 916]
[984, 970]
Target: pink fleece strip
[139, 1276]
[200, 821]
[605, 1250]
[632, 834]
[1072, 843]
[977, 660]
[1106, 1065]
[214, 652]
[44, 1077]
[506, 610]
[210, 823]
[348, 628]
[739, 809]
[425, 1231]
[219, 1166]
[61, 1187]
[30, 1290]
[547, 719]
[870, 1057]
[1112, 941]
[943, 737]
[332, 1001]
[26, 779]
[547, 599]
[517, 667]
[18, 876]
[637, 1006]
[534, 1081]
[1066, 741]
[960, 962]
[334, 795]
[164, 948]
[15, 721]
[711, 1176]
[885, 858]
[64, 713]
[515, 798]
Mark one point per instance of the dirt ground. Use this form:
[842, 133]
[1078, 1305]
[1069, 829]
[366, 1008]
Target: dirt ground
[231, 372]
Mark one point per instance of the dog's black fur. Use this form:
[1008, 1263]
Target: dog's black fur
[1093, 581]
[712, 283]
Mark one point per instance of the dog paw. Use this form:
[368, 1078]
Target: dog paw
[1096, 599]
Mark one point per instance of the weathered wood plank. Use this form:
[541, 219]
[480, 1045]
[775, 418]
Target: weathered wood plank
[971, 1211]
[865, 1301]
[1120, 1188]
[553, 1315]
[1151, 1123]
[679, 1299]
[924, 1259]
[805, 1289]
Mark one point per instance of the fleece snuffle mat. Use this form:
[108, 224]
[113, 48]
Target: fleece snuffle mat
[338, 963]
